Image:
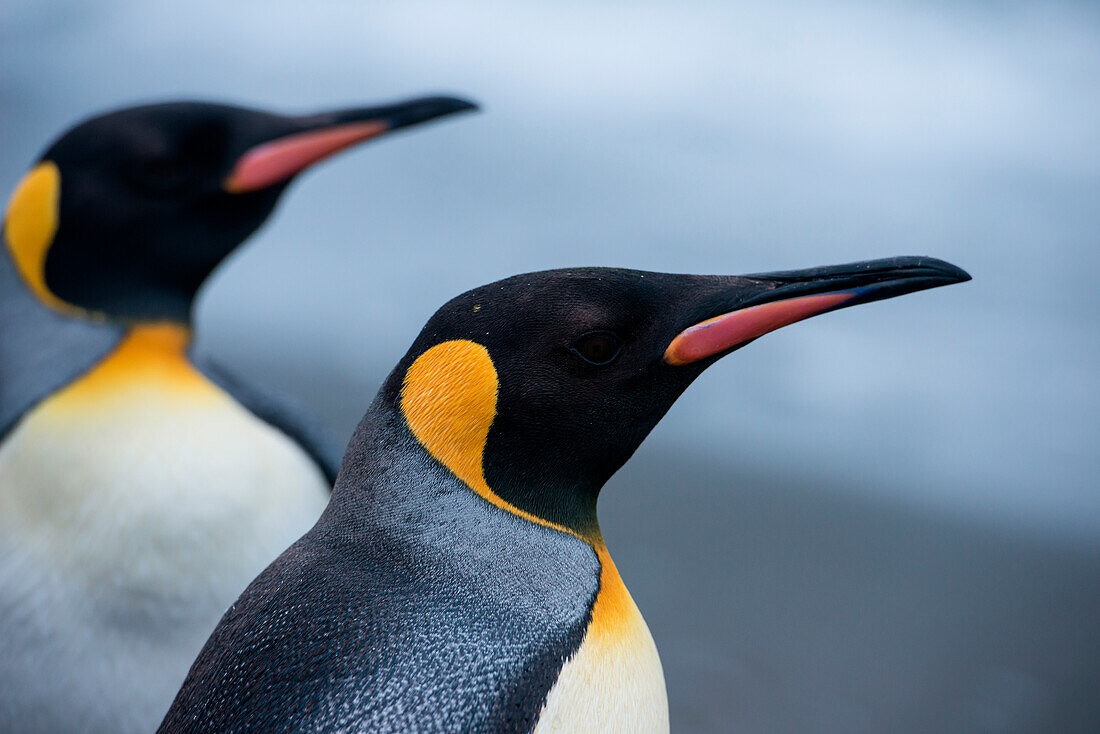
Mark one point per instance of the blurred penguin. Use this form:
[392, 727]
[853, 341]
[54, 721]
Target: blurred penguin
[140, 491]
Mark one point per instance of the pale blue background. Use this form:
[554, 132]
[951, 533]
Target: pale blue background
[886, 519]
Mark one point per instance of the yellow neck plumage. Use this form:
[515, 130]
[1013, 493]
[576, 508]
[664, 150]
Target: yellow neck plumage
[154, 351]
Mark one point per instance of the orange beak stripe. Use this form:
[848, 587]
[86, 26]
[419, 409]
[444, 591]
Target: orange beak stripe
[276, 161]
[720, 333]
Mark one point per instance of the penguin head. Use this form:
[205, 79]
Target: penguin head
[534, 390]
[127, 213]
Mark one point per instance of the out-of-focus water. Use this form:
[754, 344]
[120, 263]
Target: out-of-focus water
[884, 519]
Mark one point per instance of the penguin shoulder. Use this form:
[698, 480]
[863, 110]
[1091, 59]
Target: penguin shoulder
[367, 624]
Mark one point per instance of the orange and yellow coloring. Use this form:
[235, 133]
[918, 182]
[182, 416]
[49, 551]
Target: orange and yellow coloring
[449, 401]
[30, 226]
[150, 357]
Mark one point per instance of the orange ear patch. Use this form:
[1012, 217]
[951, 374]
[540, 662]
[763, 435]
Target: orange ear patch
[449, 400]
[31, 225]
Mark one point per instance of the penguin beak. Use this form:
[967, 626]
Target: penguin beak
[317, 137]
[782, 298]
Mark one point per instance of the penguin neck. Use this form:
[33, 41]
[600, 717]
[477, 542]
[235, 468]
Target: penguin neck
[614, 615]
[390, 473]
[559, 500]
[156, 341]
[390, 480]
[127, 298]
[169, 309]
[147, 354]
[383, 442]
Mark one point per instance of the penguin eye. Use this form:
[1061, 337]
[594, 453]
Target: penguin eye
[597, 347]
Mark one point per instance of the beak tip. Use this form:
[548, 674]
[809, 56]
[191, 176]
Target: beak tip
[425, 109]
[951, 273]
[466, 105]
[962, 276]
[448, 105]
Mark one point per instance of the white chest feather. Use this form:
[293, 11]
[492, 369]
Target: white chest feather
[614, 682]
[135, 506]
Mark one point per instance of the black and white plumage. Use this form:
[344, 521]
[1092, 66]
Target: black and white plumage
[458, 581]
[141, 486]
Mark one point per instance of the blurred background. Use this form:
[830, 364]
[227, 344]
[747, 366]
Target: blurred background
[886, 519]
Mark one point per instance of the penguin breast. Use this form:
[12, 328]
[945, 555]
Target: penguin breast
[614, 681]
[135, 505]
[143, 476]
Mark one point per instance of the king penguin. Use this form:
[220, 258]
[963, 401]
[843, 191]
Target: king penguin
[458, 581]
[142, 489]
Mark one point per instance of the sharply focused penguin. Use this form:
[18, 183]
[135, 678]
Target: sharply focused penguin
[140, 491]
[458, 580]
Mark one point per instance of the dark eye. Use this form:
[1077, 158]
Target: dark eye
[598, 347]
